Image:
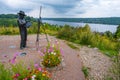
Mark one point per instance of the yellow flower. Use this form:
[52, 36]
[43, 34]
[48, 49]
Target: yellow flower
[43, 74]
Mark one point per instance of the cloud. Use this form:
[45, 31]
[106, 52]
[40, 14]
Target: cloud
[101, 8]
[63, 8]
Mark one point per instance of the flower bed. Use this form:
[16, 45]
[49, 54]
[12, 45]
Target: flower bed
[52, 56]
[20, 71]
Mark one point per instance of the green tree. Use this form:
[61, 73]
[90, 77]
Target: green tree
[117, 33]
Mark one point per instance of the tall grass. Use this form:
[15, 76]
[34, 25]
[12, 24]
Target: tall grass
[115, 70]
[5, 73]
[44, 28]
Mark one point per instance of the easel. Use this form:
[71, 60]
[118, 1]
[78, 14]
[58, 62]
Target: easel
[39, 24]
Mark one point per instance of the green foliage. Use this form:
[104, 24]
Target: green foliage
[84, 36]
[22, 72]
[85, 71]
[5, 74]
[72, 45]
[117, 33]
[20, 69]
[9, 30]
[109, 34]
[116, 67]
[114, 70]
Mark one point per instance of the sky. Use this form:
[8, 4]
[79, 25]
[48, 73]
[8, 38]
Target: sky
[62, 8]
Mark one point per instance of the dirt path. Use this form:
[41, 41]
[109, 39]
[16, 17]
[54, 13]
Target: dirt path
[72, 63]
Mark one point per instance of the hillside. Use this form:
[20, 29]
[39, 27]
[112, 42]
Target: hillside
[10, 19]
[109, 20]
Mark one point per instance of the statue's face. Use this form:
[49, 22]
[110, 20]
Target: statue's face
[21, 16]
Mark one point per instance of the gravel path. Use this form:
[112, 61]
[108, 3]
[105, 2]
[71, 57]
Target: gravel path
[72, 65]
[97, 63]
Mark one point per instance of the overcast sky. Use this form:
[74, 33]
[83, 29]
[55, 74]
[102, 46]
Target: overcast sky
[63, 8]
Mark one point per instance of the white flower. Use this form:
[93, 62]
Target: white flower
[54, 53]
[49, 61]
[33, 77]
[53, 45]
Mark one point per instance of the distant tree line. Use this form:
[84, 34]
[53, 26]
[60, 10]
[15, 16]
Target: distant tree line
[7, 20]
[110, 20]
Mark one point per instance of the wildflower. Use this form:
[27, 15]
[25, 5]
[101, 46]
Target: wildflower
[17, 75]
[16, 54]
[54, 53]
[51, 52]
[41, 54]
[44, 50]
[53, 45]
[49, 61]
[13, 60]
[57, 42]
[33, 77]
[25, 79]
[40, 69]
[43, 74]
[36, 65]
[28, 68]
[50, 49]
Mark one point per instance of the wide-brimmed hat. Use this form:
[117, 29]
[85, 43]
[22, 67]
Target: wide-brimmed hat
[21, 13]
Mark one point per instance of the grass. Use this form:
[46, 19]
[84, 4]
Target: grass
[116, 67]
[85, 71]
[5, 73]
[72, 45]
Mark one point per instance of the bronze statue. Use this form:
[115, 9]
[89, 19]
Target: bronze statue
[22, 28]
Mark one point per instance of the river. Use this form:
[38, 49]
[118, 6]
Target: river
[94, 27]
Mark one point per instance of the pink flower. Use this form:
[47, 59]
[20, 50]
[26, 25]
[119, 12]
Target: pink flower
[28, 68]
[36, 65]
[40, 69]
[50, 50]
[44, 50]
[17, 75]
[16, 54]
[25, 79]
[41, 54]
[13, 60]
